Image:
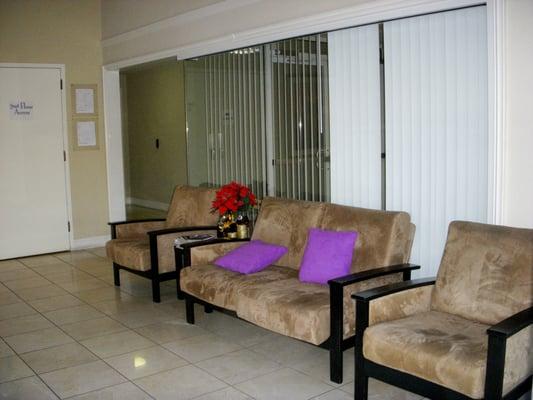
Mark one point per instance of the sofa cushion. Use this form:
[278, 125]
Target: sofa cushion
[288, 307]
[131, 253]
[251, 257]
[486, 272]
[286, 222]
[220, 286]
[300, 310]
[385, 237]
[191, 206]
[327, 255]
[445, 349]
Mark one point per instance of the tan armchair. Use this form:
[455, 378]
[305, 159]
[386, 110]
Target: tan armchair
[465, 335]
[146, 248]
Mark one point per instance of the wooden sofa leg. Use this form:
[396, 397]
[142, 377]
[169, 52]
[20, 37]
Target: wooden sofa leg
[116, 274]
[156, 292]
[189, 310]
[336, 333]
[208, 309]
[360, 379]
[361, 387]
[335, 364]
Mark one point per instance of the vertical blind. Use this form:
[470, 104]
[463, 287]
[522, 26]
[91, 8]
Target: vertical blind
[436, 124]
[299, 123]
[260, 116]
[355, 116]
[235, 120]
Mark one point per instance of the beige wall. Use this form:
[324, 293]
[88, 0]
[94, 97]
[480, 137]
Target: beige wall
[119, 16]
[65, 32]
[518, 171]
[224, 18]
[155, 110]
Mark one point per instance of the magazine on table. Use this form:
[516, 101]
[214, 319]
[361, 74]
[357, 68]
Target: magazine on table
[192, 238]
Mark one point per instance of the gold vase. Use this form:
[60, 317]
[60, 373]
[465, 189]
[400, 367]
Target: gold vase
[242, 231]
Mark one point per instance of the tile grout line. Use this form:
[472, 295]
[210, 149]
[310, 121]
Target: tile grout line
[75, 341]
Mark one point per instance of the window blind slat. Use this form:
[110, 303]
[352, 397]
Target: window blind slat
[436, 124]
[355, 116]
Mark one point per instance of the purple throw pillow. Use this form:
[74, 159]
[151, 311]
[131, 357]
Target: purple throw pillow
[251, 257]
[328, 255]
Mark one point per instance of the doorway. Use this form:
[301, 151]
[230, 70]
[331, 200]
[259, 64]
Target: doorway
[34, 208]
[154, 144]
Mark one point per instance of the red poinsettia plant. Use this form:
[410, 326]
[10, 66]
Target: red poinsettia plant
[233, 198]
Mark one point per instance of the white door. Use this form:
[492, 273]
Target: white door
[33, 196]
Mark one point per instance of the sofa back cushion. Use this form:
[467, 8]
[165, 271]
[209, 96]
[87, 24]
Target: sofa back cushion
[486, 272]
[286, 222]
[385, 237]
[191, 206]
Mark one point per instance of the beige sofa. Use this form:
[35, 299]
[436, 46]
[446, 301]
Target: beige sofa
[146, 247]
[275, 299]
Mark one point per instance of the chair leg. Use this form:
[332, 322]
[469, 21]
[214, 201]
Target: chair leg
[116, 274]
[361, 387]
[335, 363]
[189, 310]
[156, 293]
[336, 333]
[361, 379]
[179, 293]
[208, 309]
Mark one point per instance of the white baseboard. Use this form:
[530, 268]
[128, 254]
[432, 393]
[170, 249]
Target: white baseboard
[89, 242]
[156, 205]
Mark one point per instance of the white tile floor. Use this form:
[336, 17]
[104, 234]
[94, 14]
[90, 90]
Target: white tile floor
[67, 332]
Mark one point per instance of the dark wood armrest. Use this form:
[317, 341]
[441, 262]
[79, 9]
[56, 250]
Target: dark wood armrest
[135, 221]
[497, 348]
[152, 235]
[210, 241]
[514, 324]
[166, 231]
[183, 253]
[373, 273]
[371, 294]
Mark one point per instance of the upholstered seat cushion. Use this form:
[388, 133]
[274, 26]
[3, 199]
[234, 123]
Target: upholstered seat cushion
[439, 347]
[445, 349]
[300, 310]
[221, 287]
[133, 253]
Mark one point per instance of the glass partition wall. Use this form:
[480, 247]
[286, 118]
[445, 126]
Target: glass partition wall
[259, 116]
[299, 87]
[408, 121]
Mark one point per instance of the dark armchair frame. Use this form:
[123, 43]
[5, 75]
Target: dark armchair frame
[336, 343]
[153, 274]
[497, 338]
